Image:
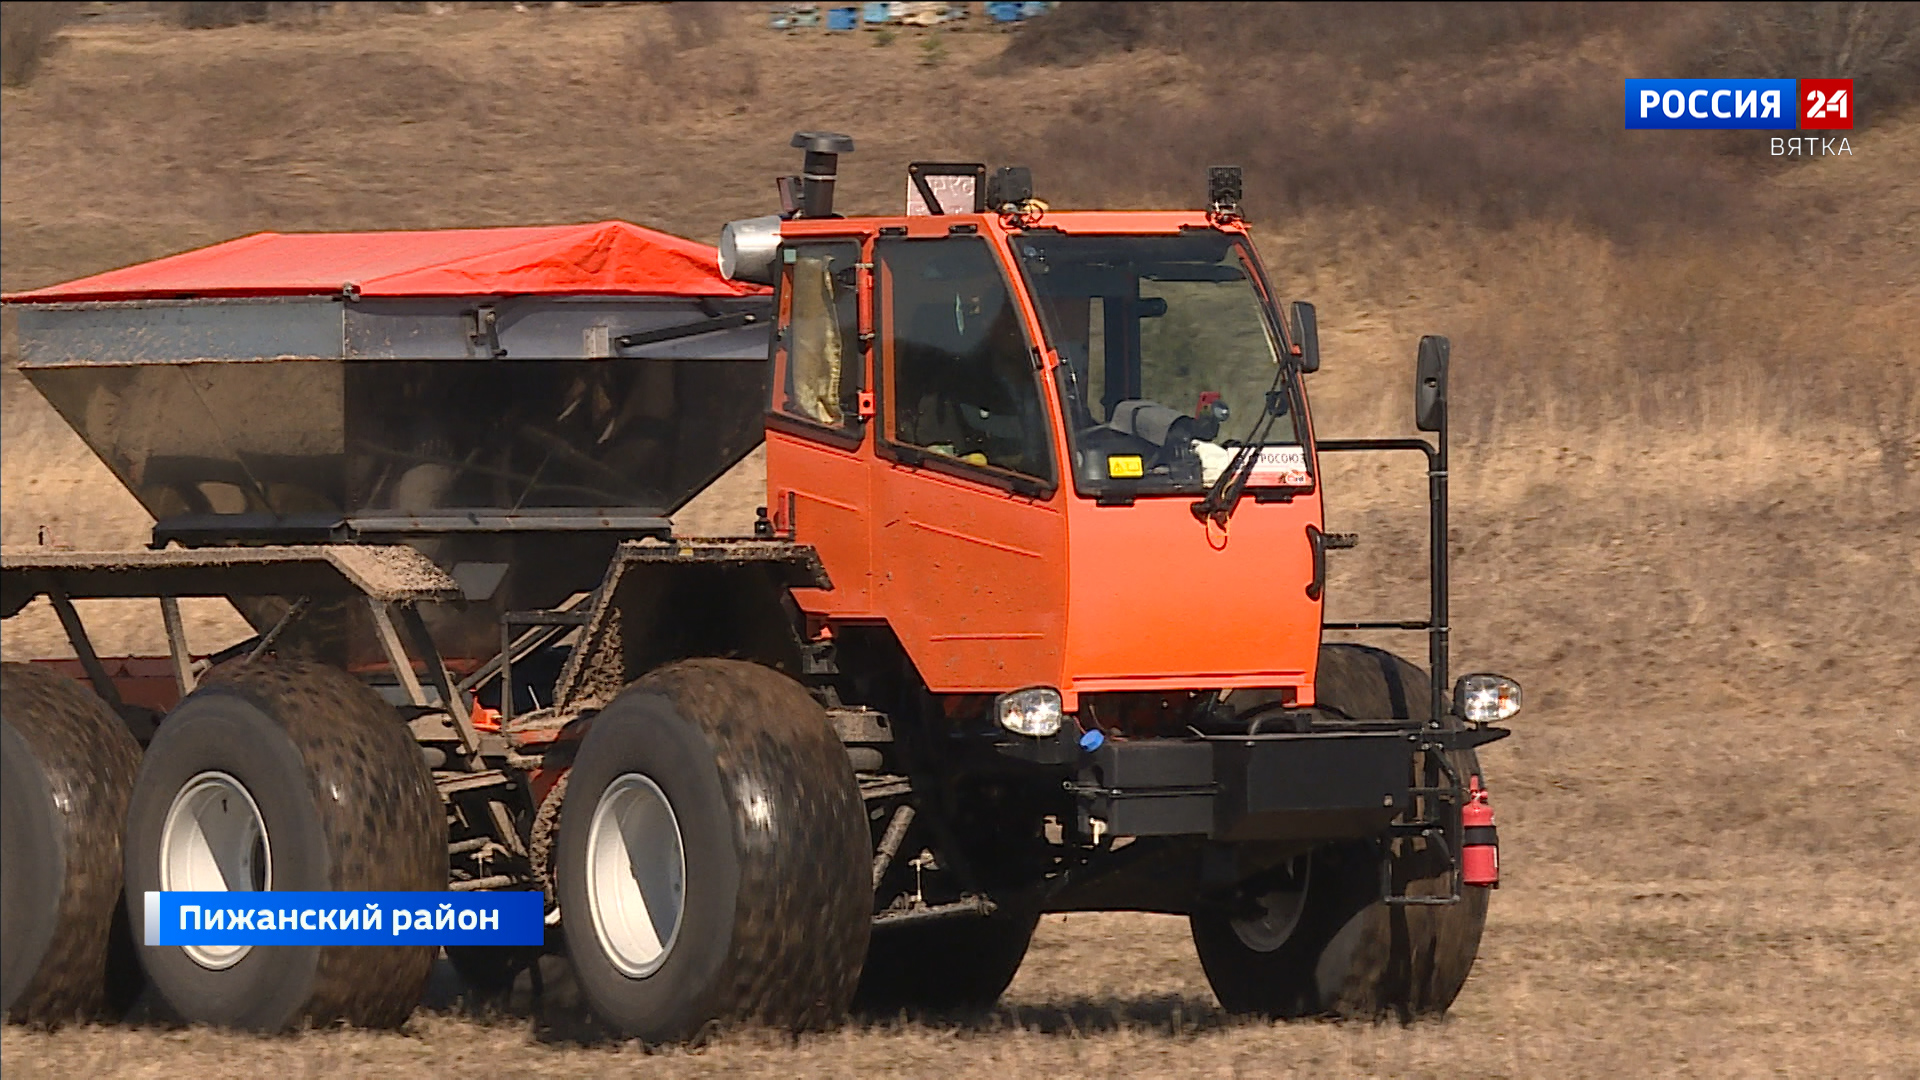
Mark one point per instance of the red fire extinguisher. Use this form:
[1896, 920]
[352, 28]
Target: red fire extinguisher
[1480, 855]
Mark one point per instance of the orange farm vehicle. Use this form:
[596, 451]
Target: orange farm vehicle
[1031, 619]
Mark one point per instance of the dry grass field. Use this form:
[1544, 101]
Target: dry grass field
[1687, 499]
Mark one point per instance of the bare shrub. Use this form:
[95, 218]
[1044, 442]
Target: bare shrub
[213, 15]
[1319, 118]
[28, 33]
[1875, 44]
[696, 24]
[656, 55]
[665, 79]
[933, 49]
[747, 80]
[1378, 35]
[1541, 149]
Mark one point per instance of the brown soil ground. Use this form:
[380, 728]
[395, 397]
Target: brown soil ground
[1703, 565]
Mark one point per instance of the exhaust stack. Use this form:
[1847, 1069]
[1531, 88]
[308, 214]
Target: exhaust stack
[819, 169]
[749, 248]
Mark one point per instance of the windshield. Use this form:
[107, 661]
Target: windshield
[1168, 360]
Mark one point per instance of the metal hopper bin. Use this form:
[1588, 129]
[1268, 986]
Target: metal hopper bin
[548, 394]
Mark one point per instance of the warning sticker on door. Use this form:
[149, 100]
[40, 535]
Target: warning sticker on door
[1279, 466]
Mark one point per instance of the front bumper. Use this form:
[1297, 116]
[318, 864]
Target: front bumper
[1313, 786]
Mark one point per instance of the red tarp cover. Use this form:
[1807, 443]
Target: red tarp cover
[609, 258]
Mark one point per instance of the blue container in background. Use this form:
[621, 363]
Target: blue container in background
[843, 18]
[1005, 12]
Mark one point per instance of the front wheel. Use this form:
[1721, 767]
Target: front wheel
[1322, 940]
[713, 864]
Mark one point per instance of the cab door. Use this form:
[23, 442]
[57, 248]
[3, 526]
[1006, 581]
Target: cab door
[816, 477]
[969, 528]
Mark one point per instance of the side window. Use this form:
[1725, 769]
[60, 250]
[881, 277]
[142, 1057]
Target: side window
[816, 355]
[960, 379]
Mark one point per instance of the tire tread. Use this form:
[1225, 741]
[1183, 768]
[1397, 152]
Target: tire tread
[90, 759]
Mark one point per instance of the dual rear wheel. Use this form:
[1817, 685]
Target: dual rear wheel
[280, 776]
[713, 856]
[285, 776]
[67, 767]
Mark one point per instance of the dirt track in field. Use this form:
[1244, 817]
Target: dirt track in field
[1713, 597]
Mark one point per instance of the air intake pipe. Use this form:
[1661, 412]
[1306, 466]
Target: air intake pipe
[819, 169]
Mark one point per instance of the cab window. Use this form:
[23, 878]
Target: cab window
[961, 379]
[816, 355]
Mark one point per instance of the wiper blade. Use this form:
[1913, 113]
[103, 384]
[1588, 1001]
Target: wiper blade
[1223, 497]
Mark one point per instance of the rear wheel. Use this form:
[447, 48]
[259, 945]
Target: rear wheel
[712, 862]
[67, 767]
[1322, 940]
[285, 777]
[953, 965]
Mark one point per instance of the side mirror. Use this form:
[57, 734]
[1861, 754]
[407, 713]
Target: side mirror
[1306, 334]
[1430, 384]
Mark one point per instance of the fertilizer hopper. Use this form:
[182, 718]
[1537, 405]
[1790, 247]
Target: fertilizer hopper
[511, 402]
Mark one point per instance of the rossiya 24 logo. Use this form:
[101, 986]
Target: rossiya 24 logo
[1740, 104]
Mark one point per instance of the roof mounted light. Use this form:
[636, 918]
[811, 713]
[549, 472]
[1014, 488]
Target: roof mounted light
[1223, 193]
[1010, 189]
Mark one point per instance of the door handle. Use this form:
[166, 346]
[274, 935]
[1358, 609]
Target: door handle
[1317, 542]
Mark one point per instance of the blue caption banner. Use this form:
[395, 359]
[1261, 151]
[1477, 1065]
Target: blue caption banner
[1712, 104]
[345, 918]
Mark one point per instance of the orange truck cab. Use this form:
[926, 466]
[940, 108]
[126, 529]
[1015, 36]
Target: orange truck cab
[1060, 469]
[1036, 405]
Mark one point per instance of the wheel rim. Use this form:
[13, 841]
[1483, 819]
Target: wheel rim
[1280, 912]
[636, 875]
[215, 840]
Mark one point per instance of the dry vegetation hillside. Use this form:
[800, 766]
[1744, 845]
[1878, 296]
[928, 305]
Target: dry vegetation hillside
[1687, 507]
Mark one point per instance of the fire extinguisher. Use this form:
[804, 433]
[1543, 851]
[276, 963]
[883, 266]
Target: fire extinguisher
[1480, 853]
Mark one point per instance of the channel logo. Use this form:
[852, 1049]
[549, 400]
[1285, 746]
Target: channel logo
[1739, 104]
[1826, 104]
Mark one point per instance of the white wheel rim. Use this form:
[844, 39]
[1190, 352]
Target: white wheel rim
[1281, 910]
[214, 840]
[636, 875]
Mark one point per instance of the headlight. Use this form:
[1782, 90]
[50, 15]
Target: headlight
[1036, 711]
[1486, 699]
